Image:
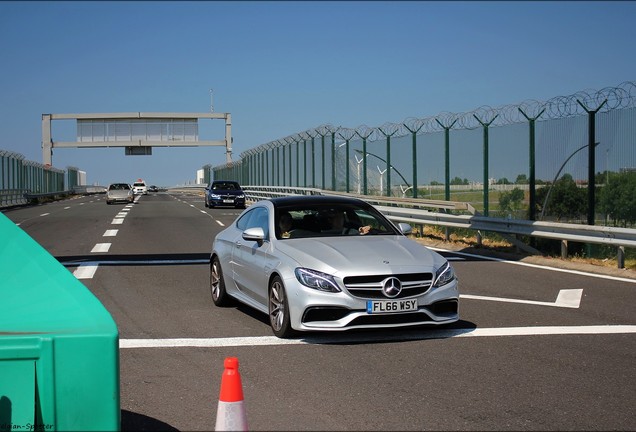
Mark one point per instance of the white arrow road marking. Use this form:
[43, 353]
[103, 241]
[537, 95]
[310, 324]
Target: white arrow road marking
[566, 299]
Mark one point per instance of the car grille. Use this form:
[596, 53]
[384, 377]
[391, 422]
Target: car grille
[370, 287]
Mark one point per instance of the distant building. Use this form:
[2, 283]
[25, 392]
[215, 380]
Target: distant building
[201, 176]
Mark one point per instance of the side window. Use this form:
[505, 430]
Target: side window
[260, 219]
[243, 221]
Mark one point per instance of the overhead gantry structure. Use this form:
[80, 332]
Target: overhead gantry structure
[137, 132]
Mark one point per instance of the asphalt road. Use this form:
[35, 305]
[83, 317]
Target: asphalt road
[531, 352]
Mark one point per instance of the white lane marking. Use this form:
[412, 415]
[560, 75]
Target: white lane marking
[565, 299]
[220, 223]
[110, 233]
[600, 276]
[121, 214]
[203, 211]
[85, 271]
[101, 247]
[340, 338]
[66, 208]
[45, 214]
[117, 221]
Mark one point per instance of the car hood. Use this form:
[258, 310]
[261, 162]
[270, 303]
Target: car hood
[341, 256]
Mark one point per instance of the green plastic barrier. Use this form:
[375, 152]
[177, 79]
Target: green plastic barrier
[59, 346]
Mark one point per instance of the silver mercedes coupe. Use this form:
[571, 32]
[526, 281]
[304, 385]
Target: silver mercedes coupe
[328, 263]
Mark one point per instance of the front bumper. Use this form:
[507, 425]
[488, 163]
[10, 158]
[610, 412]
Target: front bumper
[226, 201]
[314, 310]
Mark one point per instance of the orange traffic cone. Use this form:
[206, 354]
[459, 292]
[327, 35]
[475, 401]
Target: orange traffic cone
[230, 415]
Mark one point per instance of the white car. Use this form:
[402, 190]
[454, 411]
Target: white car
[139, 188]
[338, 264]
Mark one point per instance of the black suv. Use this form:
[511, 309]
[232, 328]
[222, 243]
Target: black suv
[224, 192]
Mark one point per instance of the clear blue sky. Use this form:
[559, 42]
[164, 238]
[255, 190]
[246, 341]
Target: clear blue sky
[283, 67]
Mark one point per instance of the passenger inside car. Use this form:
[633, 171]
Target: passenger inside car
[285, 224]
[337, 225]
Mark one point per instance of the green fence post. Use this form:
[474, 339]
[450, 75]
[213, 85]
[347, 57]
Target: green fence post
[532, 181]
[486, 185]
[313, 160]
[591, 166]
[414, 154]
[388, 159]
[298, 163]
[446, 157]
[364, 137]
[333, 160]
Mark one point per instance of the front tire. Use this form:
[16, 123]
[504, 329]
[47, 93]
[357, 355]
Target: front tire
[217, 284]
[279, 309]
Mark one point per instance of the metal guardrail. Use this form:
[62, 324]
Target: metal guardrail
[414, 211]
[17, 197]
[12, 197]
[264, 192]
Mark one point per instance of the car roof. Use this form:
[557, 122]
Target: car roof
[225, 181]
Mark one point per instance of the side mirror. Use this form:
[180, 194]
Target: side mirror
[405, 228]
[254, 234]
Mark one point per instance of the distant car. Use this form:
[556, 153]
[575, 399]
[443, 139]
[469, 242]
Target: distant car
[119, 192]
[330, 263]
[224, 193]
[140, 188]
[153, 188]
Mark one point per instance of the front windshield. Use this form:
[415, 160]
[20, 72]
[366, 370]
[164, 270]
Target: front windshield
[330, 221]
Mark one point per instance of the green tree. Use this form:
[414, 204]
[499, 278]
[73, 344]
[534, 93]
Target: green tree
[511, 201]
[618, 198]
[458, 181]
[522, 179]
[566, 200]
[503, 181]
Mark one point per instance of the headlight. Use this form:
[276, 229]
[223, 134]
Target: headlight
[215, 196]
[316, 280]
[445, 274]
[241, 196]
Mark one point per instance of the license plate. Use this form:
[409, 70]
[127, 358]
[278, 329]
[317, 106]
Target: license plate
[228, 200]
[391, 306]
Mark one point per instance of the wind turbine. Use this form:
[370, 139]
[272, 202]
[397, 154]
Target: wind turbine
[381, 179]
[358, 167]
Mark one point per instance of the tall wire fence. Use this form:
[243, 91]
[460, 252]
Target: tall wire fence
[469, 156]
